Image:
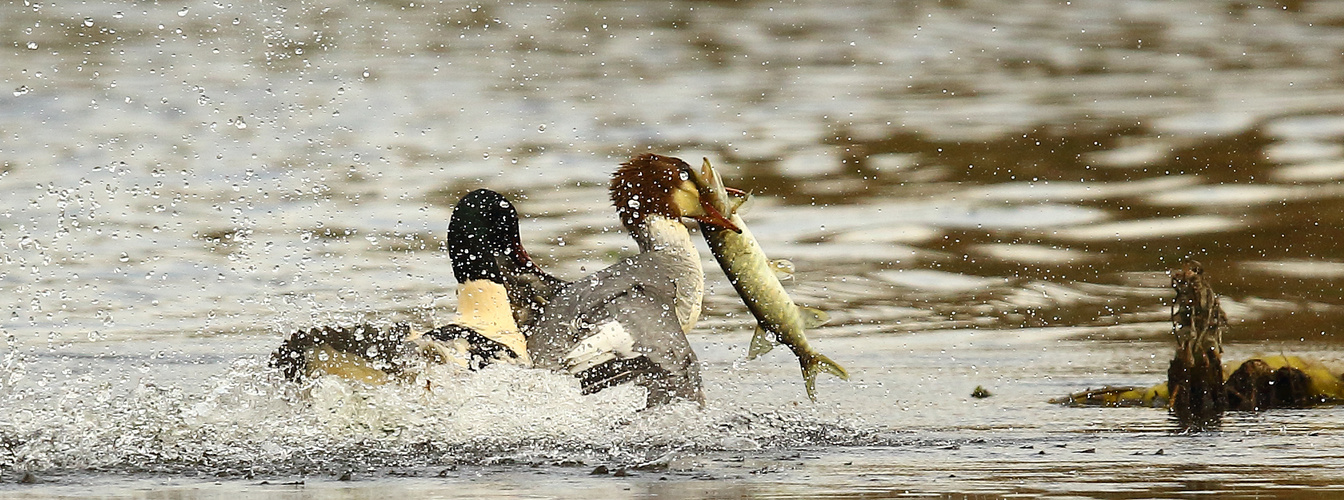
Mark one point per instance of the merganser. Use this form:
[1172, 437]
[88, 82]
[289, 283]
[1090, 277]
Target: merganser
[484, 247]
[628, 322]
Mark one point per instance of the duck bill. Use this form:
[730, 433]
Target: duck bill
[714, 217]
[521, 258]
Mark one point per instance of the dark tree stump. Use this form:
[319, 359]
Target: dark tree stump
[1195, 376]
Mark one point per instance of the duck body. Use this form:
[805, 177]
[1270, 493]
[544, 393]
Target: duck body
[628, 322]
[483, 244]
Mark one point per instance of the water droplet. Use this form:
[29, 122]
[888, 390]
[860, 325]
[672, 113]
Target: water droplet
[485, 155]
[541, 128]
[32, 45]
[88, 21]
[366, 73]
[182, 13]
[124, 257]
[239, 123]
[23, 89]
[118, 15]
[236, 21]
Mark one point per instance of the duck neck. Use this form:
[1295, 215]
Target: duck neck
[671, 238]
[483, 306]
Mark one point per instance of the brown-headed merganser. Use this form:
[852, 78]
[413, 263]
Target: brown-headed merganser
[628, 322]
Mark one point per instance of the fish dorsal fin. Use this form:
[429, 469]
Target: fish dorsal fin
[761, 343]
[740, 203]
[813, 318]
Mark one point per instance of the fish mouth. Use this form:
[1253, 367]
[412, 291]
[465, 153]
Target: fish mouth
[713, 197]
[714, 217]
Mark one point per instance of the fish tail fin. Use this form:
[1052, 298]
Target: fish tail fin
[761, 343]
[814, 365]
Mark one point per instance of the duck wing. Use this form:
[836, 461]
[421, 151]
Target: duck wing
[529, 288]
[619, 325]
[362, 352]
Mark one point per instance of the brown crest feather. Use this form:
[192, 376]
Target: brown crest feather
[643, 186]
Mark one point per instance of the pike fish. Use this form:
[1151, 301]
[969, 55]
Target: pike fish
[756, 279]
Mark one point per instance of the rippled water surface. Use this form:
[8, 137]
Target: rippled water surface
[981, 193]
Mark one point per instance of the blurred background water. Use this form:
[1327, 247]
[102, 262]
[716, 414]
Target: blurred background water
[979, 192]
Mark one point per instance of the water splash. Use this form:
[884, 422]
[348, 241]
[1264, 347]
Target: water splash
[249, 419]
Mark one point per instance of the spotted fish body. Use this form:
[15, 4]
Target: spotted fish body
[755, 278]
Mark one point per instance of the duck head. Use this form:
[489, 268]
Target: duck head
[656, 185]
[484, 229]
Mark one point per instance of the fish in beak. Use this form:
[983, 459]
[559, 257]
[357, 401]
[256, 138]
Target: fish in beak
[713, 217]
[692, 199]
[706, 183]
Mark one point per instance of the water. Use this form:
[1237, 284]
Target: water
[981, 194]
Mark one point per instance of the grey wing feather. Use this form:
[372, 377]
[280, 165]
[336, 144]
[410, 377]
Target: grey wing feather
[529, 289]
[641, 300]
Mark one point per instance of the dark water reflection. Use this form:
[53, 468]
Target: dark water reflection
[980, 192]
